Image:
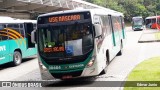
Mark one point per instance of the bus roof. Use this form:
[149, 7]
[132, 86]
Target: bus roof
[152, 17]
[18, 21]
[94, 11]
[3, 18]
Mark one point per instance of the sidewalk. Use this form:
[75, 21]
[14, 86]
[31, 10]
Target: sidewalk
[150, 35]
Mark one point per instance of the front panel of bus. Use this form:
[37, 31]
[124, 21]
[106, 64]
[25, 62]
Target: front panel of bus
[65, 43]
[137, 23]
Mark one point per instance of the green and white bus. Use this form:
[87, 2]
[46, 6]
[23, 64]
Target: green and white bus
[78, 43]
[15, 40]
[137, 23]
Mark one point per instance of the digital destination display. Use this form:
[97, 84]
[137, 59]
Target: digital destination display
[54, 49]
[65, 18]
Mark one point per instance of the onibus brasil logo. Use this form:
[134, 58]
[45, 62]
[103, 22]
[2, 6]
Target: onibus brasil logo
[13, 34]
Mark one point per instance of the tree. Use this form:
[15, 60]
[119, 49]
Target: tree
[131, 8]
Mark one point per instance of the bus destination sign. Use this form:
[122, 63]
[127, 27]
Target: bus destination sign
[64, 18]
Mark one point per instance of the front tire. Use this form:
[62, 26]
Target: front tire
[119, 53]
[17, 58]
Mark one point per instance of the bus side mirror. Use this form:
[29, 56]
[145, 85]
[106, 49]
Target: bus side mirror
[33, 36]
[98, 30]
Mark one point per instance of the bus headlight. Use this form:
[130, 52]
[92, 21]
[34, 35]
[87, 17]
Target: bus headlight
[91, 62]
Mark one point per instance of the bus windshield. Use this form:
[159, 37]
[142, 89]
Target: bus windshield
[138, 21]
[65, 40]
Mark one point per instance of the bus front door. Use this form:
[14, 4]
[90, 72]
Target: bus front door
[28, 30]
[31, 50]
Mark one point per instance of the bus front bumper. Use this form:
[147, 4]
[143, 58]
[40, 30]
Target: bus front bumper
[86, 72]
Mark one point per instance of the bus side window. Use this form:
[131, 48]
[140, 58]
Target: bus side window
[109, 27]
[34, 26]
[119, 23]
[106, 25]
[115, 24]
[122, 22]
[102, 22]
[158, 20]
[4, 25]
[3, 36]
[1, 27]
[14, 27]
[21, 29]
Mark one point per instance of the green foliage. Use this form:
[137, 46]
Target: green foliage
[131, 8]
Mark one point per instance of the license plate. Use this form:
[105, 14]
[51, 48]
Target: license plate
[67, 77]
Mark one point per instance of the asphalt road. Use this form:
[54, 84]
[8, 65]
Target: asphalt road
[118, 69]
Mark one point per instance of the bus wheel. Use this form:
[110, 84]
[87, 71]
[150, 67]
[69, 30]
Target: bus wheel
[103, 72]
[107, 57]
[17, 58]
[119, 53]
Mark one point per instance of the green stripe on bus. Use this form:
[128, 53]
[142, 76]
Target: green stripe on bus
[63, 67]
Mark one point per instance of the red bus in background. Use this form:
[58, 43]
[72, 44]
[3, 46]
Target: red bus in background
[153, 22]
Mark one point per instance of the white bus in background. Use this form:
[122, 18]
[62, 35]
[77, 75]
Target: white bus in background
[78, 43]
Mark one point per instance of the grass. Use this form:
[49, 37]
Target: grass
[149, 70]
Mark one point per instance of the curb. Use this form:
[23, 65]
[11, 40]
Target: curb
[148, 41]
